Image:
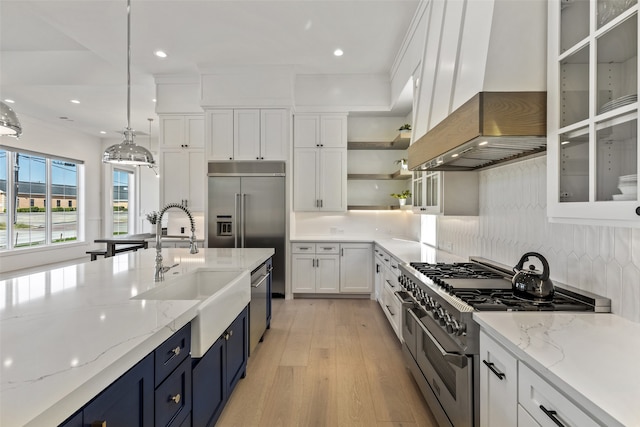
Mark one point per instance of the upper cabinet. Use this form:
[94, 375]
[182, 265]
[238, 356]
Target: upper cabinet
[247, 134]
[320, 130]
[320, 163]
[592, 127]
[184, 131]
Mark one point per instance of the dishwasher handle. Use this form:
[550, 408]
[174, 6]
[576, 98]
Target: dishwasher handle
[261, 281]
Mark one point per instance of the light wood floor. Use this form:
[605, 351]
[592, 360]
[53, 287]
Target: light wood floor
[327, 362]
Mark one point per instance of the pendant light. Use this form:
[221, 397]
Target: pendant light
[127, 152]
[9, 123]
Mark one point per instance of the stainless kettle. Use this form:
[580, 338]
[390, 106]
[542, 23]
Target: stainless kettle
[531, 284]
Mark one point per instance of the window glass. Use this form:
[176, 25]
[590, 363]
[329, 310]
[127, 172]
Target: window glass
[64, 188]
[38, 199]
[30, 218]
[121, 201]
[3, 199]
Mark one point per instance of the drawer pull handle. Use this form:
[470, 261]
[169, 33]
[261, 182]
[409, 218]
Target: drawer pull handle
[99, 424]
[390, 312]
[552, 415]
[491, 366]
[390, 284]
[173, 352]
[175, 398]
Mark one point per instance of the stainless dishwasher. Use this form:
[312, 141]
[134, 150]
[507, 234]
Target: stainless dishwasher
[258, 305]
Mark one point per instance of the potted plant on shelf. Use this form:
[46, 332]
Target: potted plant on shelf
[402, 197]
[402, 163]
[405, 126]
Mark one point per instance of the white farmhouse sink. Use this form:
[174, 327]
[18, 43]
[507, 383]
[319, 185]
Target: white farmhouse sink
[224, 294]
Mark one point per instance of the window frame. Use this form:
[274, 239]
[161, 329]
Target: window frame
[11, 211]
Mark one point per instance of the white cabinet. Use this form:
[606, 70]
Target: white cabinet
[498, 384]
[355, 268]
[320, 179]
[182, 176]
[545, 404]
[390, 303]
[315, 268]
[592, 152]
[512, 394]
[184, 131]
[320, 162]
[446, 193]
[247, 134]
[320, 130]
[318, 267]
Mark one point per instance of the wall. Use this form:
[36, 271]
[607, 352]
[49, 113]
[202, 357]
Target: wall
[41, 137]
[604, 260]
[362, 224]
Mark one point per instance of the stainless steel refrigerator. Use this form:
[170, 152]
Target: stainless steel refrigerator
[247, 210]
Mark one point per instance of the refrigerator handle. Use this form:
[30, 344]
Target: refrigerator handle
[243, 208]
[236, 229]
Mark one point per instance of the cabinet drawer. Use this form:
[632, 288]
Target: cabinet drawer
[544, 403]
[172, 352]
[327, 248]
[173, 396]
[303, 248]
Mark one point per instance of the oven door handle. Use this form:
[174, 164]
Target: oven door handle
[459, 360]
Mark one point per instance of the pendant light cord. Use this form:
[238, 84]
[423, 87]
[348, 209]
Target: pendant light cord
[128, 65]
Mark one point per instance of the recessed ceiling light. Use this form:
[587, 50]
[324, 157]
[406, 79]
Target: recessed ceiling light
[10, 101]
[338, 52]
[484, 143]
[103, 132]
[154, 100]
[454, 155]
[564, 142]
[160, 54]
[439, 161]
[75, 101]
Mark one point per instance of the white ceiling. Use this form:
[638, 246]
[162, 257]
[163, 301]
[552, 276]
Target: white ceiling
[53, 51]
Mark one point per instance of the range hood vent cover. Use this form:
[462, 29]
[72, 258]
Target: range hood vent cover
[490, 128]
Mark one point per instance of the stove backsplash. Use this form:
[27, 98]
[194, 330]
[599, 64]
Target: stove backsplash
[512, 221]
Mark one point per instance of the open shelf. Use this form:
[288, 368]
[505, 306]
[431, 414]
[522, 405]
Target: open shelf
[401, 142]
[400, 175]
[374, 207]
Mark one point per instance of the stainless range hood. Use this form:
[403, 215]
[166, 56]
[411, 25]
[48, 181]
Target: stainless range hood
[490, 128]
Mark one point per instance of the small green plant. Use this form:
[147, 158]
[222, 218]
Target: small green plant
[405, 194]
[405, 126]
[401, 162]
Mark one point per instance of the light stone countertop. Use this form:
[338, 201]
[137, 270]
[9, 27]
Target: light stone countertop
[68, 332]
[591, 357]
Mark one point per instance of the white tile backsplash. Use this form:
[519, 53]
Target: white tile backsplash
[512, 221]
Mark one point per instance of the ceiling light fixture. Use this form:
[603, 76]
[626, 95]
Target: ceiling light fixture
[484, 143]
[75, 101]
[9, 123]
[10, 101]
[338, 52]
[160, 54]
[127, 152]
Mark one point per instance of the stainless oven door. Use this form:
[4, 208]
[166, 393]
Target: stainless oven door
[448, 374]
[410, 328]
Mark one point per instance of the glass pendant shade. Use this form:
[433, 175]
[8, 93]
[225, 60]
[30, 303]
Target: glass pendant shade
[9, 123]
[128, 153]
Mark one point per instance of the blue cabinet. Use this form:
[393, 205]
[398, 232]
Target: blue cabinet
[216, 374]
[126, 402]
[155, 392]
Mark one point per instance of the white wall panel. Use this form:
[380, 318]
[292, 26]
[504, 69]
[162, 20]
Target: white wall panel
[344, 92]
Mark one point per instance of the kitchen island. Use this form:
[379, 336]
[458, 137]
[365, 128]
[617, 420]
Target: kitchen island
[67, 333]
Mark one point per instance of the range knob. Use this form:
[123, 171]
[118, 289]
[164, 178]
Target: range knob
[444, 317]
[453, 327]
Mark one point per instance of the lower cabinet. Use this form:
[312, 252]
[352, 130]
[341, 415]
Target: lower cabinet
[331, 268]
[513, 394]
[216, 374]
[155, 392]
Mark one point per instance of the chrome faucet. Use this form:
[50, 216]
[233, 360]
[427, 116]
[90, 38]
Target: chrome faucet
[193, 247]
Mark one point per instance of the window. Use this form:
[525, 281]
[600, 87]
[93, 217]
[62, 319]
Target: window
[70, 204]
[122, 201]
[25, 196]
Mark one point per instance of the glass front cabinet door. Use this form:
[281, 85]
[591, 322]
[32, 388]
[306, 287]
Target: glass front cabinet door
[592, 156]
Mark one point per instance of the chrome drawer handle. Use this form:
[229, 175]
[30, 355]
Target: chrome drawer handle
[491, 366]
[552, 415]
[99, 424]
[175, 398]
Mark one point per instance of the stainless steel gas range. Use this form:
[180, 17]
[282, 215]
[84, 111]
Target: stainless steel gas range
[441, 339]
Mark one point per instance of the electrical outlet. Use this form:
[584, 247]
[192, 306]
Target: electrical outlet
[181, 230]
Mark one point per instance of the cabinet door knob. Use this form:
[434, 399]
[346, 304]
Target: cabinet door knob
[257, 158]
[99, 424]
[638, 210]
[230, 158]
[175, 351]
[175, 398]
